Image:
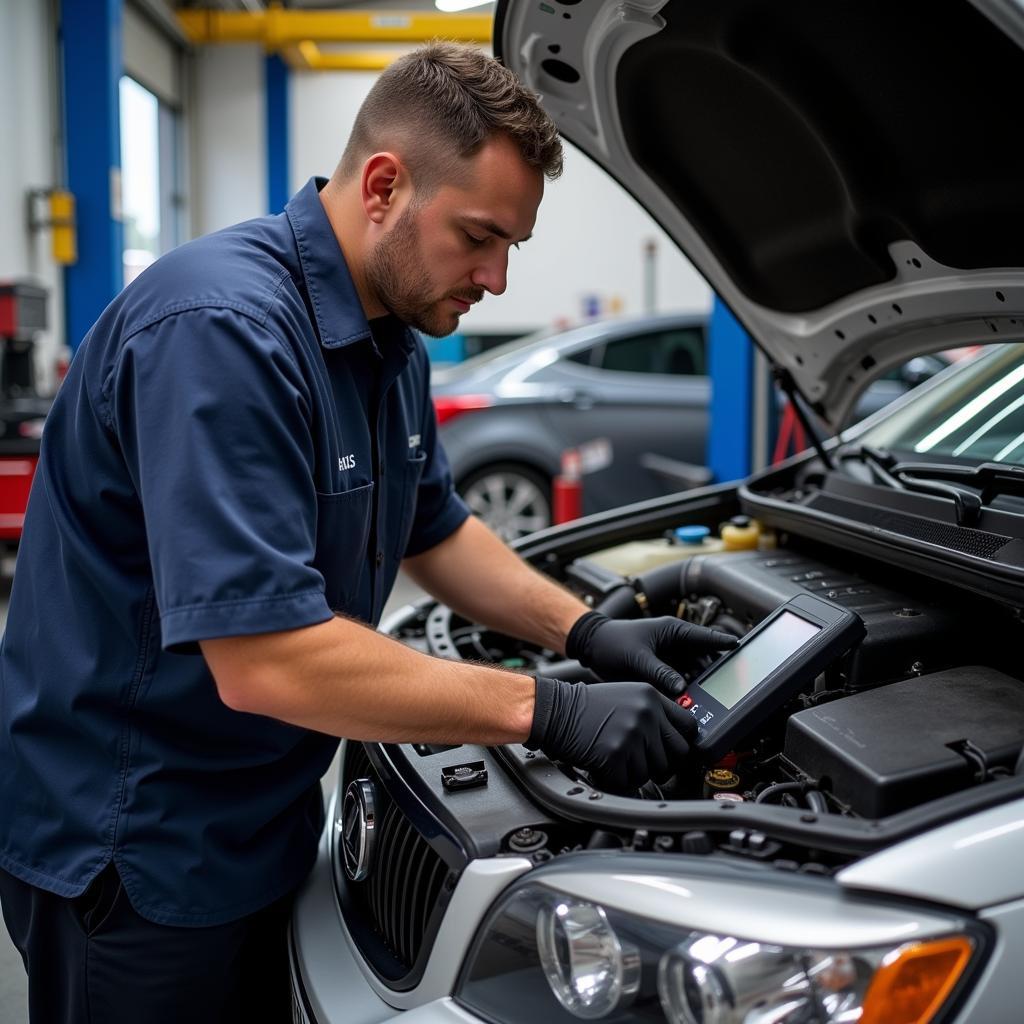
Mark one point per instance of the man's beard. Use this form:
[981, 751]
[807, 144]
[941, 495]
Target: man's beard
[402, 285]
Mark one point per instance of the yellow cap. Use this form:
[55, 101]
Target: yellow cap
[741, 538]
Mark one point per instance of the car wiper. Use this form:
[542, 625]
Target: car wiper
[991, 478]
[878, 461]
[907, 476]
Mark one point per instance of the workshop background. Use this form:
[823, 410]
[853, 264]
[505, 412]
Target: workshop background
[131, 127]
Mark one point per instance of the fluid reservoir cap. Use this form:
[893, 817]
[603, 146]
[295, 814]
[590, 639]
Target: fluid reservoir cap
[691, 534]
[741, 533]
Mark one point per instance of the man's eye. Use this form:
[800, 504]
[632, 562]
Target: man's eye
[473, 240]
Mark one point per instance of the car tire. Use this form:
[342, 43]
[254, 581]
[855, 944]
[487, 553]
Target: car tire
[511, 498]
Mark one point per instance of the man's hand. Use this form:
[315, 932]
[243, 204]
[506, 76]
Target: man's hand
[642, 648]
[621, 733]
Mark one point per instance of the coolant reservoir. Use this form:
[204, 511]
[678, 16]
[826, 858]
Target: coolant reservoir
[741, 533]
[636, 557]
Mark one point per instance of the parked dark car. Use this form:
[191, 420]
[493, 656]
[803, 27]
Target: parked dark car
[632, 394]
[637, 387]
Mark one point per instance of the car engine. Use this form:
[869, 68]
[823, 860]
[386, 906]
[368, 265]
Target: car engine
[887, 727]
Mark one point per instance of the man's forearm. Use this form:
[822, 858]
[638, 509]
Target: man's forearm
[344, 679]
[476, 574]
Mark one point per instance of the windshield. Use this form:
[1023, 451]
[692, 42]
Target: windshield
[975, 414]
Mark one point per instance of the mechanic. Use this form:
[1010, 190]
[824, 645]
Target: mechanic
[242, 454]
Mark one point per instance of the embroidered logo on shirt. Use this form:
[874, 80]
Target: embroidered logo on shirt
[414, 440]
[346, 462]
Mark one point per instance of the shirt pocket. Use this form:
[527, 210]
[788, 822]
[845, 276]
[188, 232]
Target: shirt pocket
[406, 509]
[342, 532]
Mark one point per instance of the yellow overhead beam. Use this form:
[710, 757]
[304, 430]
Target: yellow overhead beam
[278, 29]
[307, 56]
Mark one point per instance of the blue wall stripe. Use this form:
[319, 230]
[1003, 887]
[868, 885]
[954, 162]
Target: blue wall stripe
[731, 368]
[276, 85]
[91, 63]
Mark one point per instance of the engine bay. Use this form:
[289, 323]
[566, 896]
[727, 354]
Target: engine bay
[928, 704]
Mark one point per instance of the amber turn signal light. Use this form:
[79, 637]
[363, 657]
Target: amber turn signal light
[915, 980]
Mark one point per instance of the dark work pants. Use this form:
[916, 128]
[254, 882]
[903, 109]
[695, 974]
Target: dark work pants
[93, 960]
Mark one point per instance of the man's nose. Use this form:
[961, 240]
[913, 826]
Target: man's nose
[492, 273]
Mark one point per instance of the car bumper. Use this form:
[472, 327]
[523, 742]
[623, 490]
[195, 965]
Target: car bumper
[325, 973]
[332, 985]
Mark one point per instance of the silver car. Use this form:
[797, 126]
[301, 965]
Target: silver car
[844, 177]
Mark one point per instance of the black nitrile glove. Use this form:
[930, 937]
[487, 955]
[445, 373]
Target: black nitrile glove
[621, 733]
[618, 649]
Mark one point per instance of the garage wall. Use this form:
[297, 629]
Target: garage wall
[150, 57]
[228, 146]
[588, 242]
[28, 71]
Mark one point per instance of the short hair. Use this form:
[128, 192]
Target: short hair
[440, 104]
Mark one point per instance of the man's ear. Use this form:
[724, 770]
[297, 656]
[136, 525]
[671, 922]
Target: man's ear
[383, 176]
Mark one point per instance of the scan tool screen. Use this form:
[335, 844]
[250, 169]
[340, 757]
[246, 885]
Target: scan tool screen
[753, 661]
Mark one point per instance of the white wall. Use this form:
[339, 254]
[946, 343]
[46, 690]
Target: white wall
[588, 240]
[149, 56]
[228, 137]
[27, 140]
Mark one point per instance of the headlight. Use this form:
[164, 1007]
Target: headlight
[553, 951]
[589, 970]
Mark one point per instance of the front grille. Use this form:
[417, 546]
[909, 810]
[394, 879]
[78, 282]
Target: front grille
[402, 896]
[394, 912]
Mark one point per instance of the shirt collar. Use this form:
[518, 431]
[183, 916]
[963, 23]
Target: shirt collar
[339, 313]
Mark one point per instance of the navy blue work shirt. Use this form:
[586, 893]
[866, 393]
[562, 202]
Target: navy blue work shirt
[231, 453]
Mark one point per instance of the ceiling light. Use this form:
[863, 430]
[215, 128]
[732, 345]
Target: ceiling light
[454, 6]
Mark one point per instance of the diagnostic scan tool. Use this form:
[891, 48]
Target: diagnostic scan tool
[776, 660]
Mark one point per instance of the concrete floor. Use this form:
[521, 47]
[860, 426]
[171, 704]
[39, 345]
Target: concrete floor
[13, 1002]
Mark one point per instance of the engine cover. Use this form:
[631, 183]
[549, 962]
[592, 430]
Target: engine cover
[900, 745]
[905, 634]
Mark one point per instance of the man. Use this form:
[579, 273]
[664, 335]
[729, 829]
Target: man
[243, 452]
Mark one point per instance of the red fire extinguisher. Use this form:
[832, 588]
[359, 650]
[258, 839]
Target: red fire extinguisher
[567, 488]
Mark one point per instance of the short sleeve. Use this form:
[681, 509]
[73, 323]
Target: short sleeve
[439, 509]
[213, 418]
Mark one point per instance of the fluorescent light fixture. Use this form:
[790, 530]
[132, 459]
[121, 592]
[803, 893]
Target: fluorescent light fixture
[454, 6]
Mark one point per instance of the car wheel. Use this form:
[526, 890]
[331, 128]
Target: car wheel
[513, 500]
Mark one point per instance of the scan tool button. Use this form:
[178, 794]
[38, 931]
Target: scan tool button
[686, 701]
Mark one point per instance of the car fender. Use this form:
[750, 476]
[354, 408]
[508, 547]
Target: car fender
[483, 438]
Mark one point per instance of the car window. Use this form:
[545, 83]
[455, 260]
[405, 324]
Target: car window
[677, 351]
[585, 356]
[976, 414]
[915, 371]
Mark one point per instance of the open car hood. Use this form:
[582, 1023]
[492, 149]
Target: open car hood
[848, 176]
